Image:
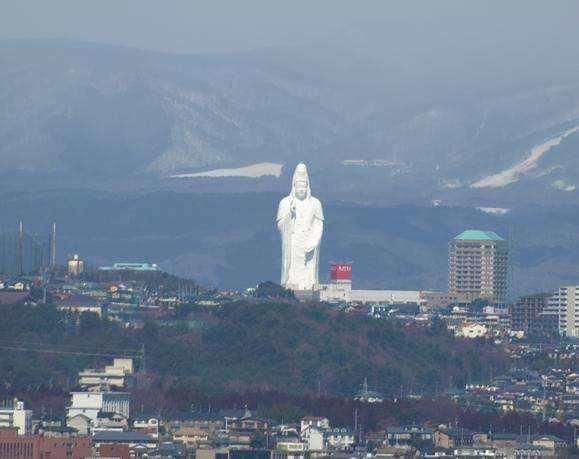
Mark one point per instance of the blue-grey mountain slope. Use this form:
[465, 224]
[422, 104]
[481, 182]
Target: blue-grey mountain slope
[415, 123]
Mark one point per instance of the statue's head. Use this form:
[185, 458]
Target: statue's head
[301, 189]
[301, 182]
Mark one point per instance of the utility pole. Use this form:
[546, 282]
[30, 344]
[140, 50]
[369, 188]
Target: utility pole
[44, 282]
[20, 249]
[3, 254]
[143, 367]
[52, 260]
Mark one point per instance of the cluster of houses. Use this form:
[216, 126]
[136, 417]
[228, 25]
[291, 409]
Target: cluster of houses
[99, 422]
[463, 321]
[448, 441]
[240, 434]
[15, 291]
[134, 301]
[551, 393]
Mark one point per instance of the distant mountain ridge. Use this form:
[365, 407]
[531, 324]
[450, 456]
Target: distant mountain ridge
[93, 113]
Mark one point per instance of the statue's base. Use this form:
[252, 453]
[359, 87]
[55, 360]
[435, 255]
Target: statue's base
[307, 295]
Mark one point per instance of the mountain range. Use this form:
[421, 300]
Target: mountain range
[432, 124]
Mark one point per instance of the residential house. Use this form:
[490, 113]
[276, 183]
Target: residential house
[314, 421]
[409, 435]
[452, 438]
[340, 439]
[550, 442]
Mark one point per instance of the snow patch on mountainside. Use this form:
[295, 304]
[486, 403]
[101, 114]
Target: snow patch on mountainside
[252, 171]
[494, 210]
[513, 174]
[563, 185]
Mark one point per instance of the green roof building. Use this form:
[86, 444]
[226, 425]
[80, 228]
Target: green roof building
[477, 235]
[478, 266]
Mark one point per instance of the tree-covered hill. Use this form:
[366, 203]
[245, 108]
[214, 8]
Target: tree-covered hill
[245, 347]
[301, 348]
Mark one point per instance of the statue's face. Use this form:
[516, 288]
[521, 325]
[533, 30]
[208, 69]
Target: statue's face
[301, 188]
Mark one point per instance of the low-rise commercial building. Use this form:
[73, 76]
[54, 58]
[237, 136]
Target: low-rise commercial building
[16, 446]
[76, 303]
[343, 293]
[130, 267]
[91, 403]
[409, 435]
[118, 375]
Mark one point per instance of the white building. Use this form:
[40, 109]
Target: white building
[16, 416]
[116, 375]
[314, 438]
[91, 403]
[82, 423]
[110, 422]
[472, 330]
[343, 292]
[565, 305]
[75, 266]
[340, 439]
[335, 293]
[149, 426]
[319, 422]
[291, 445]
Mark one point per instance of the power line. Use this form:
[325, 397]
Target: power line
[62, 349]
[52, 351]
[71, 347]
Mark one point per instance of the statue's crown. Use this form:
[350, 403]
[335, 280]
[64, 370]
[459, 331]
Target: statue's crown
[301, 172]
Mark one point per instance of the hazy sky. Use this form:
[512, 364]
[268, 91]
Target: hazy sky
[190, 26]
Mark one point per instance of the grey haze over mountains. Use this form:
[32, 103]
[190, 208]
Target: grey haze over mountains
[422, 110]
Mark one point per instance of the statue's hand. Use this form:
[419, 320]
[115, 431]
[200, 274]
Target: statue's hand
[310, 249]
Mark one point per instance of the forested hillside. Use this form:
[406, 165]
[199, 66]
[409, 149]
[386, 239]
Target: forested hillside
[245, 347]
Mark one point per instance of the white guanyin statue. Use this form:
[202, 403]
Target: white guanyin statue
[300, 221]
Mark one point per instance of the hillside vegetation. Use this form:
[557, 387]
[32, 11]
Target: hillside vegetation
[247, 347]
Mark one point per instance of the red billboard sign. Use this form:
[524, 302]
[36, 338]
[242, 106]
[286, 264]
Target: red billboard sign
[341, 271]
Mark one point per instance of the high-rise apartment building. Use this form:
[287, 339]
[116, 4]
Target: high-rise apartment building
[564, 304]
[478, 266]
[526, 312]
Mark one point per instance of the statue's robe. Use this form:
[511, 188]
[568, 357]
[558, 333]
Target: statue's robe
[304, 231]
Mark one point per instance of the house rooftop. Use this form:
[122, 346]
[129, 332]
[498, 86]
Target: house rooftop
[115, 436]
[478, 235]
[77, 300]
